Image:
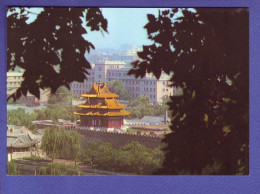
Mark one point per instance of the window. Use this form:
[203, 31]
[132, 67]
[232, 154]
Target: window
[150, 89]
[163, 90]
[163, 82]
[99, 69]
[99, 76]
[153, 96]
[154, 89]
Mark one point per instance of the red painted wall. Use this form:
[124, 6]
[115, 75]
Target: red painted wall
[102, 122]
[114, 123]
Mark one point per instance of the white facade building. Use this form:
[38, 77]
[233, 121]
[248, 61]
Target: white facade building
[111, 70]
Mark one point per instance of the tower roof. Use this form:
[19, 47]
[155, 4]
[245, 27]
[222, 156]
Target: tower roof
[99, 91]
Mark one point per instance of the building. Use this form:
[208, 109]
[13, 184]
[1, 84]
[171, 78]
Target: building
[19, 141]
[14, 81]
[110, 70]
[101, 111]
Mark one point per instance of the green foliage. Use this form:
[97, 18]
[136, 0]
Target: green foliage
[202, 50]
[55, 56]
[131, 158]
[35, 158]
[57, 111]
[59, 169]
[118, 87]
[12, 168]
[141, 107]
[21, 118]
[62, 143]
[62, 96]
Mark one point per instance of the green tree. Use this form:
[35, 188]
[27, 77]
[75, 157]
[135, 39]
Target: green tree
[62, 96]
[207, 50]
[132, 158]
[40, 115]
[62, 143]
[12, 168]
[98, 153]
[51, 49]
[141, 107]
[21, 118]
[118, 87]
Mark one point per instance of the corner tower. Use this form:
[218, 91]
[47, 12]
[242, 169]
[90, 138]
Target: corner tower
[101, 111]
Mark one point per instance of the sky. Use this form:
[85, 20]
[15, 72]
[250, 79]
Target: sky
[125, 26]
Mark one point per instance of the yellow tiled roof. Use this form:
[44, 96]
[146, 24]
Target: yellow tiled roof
[113, 103]
[99, 91]
[121, 113]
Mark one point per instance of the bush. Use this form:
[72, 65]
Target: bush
[59, 169]
[12, 168]
[131, 158]
[37, 159]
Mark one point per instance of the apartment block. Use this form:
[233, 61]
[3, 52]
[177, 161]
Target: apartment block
[111, 70]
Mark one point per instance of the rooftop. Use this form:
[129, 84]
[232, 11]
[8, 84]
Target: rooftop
[21, 140]
[99, 91]
[14, 73]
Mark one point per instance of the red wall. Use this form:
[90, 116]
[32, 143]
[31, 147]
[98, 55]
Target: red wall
[109, 122]
[114, 123]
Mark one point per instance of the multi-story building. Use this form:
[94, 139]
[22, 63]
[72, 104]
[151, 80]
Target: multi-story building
[101, 111]
[111, 70]
[14, 80]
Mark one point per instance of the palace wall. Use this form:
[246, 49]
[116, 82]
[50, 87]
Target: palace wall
[120, 139]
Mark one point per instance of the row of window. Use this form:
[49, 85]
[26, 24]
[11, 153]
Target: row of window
[116, 74]
[165, 82]
[147, 89]
[138, 82]
[81, 85]
[151, 96]
[15, 77]
[79, 91]
[14, 83]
